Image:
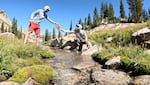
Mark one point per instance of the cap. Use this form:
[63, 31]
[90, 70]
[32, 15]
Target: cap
[79, 26]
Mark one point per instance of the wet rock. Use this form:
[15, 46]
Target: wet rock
[110, 77]
[142, 80]
[70, 77]
[113, 63]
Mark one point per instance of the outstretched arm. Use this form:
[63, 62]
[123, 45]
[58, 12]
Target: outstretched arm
[56, 24]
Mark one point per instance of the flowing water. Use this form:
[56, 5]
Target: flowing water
[64, 58]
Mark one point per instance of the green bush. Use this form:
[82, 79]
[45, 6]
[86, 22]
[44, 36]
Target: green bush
[39, 73]
[14, 54]
[134, 60]
[46, 54]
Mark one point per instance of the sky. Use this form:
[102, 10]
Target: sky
[62, 11]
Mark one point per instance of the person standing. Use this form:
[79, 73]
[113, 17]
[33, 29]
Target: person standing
[35, 19]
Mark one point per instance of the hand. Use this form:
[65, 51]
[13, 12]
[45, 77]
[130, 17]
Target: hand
[58, 27]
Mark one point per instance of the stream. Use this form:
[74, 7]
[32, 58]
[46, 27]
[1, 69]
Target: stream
[72, 68]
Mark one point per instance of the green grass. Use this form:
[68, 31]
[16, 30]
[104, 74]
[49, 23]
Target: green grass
[39, 73]
[134, 59]
[15, 55]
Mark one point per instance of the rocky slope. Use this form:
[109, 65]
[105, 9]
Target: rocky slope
[5, 18]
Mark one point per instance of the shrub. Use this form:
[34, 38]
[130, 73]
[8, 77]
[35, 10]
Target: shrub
[14, 55]
[39, 73]
[134, 60]
[46, 54]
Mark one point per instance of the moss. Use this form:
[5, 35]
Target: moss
[47, 54]
[21, 75]
[39, 73]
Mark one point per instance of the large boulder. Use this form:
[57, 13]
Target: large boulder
[54, 43]
[113, 63]
[141, 35]
[4, 19]
[142, 80]
[110, 77]
[91, 50]
[71, 77]
[7, 35]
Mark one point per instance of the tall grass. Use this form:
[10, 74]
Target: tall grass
[134, 59]
[15, 55]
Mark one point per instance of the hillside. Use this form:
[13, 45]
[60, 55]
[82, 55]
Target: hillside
[4, 18]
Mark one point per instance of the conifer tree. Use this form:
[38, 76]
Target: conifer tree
[2, 27]
[89, 22]
[102, 10]
[14, 26]
[80, 21]
[149, 12]
[95, 18]
[111, 12]
[106, 13]
[46, 35]
[54, 33]
[59, 34]
[85, 24]
[70, 26]
[136, 8]
[122, 12]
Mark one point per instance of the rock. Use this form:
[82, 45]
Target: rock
[109, 39]
[30, 81]
[54, 43]
[142, 80]
[9, 83]
[7, 35]
[91, 50]
[110, 77]
[141, 36]
[113, 63]
[4, 18]
[70, 77]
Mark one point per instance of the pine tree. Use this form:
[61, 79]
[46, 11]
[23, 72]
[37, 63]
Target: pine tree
[2, 28]
[59, 34]
[70, 26]
[149, 12]
[95, 18]
[102, 10]
[89, 22]
[106, 13]
[145, 15]
[46, 35]
[136, 8]
[80, 21]
[85, 24]
[111, 12]
[50, 35]
[14, 26]
[54, 33]
[19, 33]
[122, 12]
